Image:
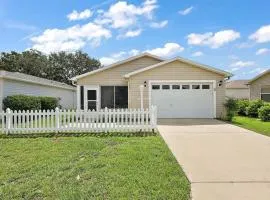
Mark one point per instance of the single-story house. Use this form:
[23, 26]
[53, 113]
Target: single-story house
[180, 88]
[14, 83]
[237, 89]
[256, 88]
[260, 86]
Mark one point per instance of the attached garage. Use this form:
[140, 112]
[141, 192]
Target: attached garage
[183, 99]
[179, 88]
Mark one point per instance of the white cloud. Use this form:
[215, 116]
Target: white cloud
[234, 69]
[118, 56]
[242, 64]
[161, 24]
[130, 34]
[262, 35]
[107, 60]
[262, 51]
[75, 15]
[244, 45]
[70, 39]
[186, 11]
[124, 15]
[169, 49]
[213, 40]
[197, 54]
[238, 65]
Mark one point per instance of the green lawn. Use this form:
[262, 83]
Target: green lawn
[108, 167]
[253, 124]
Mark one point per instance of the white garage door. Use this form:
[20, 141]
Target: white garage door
[183, 100]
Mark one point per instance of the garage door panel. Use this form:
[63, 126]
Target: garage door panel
[190, 103]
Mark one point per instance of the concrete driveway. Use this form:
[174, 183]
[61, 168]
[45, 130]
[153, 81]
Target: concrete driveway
[222, 161]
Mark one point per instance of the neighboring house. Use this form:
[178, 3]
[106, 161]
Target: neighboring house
[260, 86]
[179, 88]
[14, 83]
[256, 88]
[237, 89]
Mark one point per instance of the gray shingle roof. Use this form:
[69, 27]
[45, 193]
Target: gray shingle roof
[237, 84]
[34, 79]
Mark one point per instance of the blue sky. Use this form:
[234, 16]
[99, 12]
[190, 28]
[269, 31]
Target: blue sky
[231, 35]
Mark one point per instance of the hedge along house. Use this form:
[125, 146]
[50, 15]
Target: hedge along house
[14, 83]
[178, 87]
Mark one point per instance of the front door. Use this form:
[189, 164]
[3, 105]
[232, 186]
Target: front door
[91, 94]
[91, 100]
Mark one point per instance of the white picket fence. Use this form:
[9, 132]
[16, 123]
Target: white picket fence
[106, 120]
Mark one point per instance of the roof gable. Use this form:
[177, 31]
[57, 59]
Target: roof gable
[117, 64]
[205, 67]
[259, 76]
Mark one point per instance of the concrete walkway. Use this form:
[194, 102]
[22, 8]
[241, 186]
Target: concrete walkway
[222, 161]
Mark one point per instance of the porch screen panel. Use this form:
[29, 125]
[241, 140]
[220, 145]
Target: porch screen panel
[107, 96]
[121, 96]
[82, 97]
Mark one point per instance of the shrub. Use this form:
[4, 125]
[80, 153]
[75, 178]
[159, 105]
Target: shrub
[231, 108]
[242, 105]
[49, 103]
[22, 102]
[264, 112]
[252, 109]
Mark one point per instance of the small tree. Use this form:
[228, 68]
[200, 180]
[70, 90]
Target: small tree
[231, 108]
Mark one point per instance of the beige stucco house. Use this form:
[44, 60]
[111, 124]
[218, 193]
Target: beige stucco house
[260, 86]
[179, 88]
[256, 88]
[237, 89]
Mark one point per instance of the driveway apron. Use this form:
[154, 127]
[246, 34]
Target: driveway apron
[221, 161]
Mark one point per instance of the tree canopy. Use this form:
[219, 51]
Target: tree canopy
[60, 66]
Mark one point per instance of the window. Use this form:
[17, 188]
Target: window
[92, 99]
[155, 87]
[265, 94]
[121, 97]
[107, 96]
[265, 97]
[195, 87]
[205, 87]
[91, 95]
[165, 87]
[114, 96]
[176, 87]
[185, 87]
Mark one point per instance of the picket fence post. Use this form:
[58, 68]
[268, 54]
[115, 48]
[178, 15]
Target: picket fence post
[8, 119]
[57, 119]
